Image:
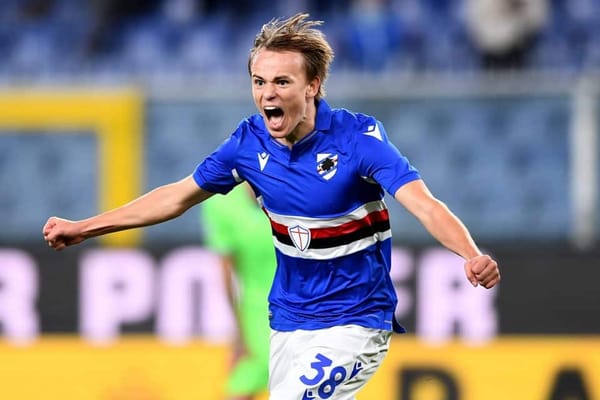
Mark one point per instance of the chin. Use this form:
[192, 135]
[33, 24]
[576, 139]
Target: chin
[278, 134]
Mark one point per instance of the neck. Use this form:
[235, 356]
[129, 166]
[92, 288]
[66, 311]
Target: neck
[296, 135]
[304, 127]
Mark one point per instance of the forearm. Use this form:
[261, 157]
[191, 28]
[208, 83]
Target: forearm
[159, 205]
[449, 230]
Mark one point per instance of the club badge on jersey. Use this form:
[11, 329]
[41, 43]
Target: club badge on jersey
[327, 165]
[300, 236]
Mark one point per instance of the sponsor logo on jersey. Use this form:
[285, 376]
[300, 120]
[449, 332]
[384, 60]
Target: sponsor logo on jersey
[300, 236]
[262, 160]
[327, 165]
[373, 130]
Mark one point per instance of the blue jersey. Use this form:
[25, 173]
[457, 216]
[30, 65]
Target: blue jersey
[330, 225]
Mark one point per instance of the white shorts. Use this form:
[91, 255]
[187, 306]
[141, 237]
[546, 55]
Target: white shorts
[333, 363]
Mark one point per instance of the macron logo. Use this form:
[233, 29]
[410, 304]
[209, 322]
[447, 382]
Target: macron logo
[262, 159]
[373, 130]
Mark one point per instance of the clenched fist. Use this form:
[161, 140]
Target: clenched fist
[482, 270]
[60, 233]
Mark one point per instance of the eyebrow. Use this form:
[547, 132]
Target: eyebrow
[287, 77]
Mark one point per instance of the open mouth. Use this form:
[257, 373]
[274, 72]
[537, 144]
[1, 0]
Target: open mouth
[273, 112]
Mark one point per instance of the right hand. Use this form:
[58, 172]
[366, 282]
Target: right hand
[60, 233]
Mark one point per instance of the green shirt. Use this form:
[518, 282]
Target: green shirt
[234, 225]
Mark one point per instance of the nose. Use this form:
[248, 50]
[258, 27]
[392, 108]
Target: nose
[270, 91]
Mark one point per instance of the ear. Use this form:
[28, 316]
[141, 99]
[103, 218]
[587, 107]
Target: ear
[313, 87]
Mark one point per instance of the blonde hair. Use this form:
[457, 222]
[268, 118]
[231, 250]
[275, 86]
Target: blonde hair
[297, 34]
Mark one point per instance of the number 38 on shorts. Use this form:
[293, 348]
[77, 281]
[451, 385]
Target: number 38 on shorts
[326, 378]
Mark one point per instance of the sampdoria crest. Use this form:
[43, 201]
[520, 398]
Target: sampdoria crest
[327, 165]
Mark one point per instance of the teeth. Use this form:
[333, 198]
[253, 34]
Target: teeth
[271, 108]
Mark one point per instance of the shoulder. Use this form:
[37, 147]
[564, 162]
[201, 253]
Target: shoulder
[352, 121]
[357, 127]
[248, 130]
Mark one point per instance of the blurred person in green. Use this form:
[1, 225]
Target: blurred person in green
[236, 228]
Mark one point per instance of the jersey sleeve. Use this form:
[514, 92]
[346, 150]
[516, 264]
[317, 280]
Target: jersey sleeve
[216, 173]
[381, 161]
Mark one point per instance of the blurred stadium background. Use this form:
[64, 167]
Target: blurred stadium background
[495, 101]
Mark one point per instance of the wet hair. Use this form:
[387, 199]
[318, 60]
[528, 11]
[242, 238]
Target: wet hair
[297, 33]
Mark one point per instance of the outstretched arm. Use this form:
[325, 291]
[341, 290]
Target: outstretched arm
[159, 205]
[449, 231]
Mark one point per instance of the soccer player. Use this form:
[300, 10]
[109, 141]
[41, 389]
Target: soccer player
[320, 175]
[237, 230]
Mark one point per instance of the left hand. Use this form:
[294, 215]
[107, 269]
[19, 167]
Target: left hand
[482, 270]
